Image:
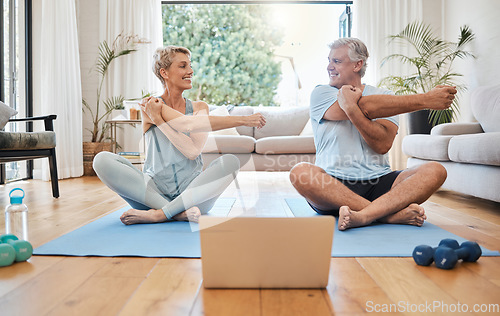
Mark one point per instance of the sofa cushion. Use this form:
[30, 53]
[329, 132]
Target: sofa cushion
[285, 145]
[229, 144]
[427, 147]
[485, 103]
[457, 129]
[307, 130]
[282, 122]
[476, 148]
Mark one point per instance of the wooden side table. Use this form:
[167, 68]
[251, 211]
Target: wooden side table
[113, 124]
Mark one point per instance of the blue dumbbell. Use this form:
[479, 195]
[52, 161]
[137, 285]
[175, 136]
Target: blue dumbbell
[424, 254]
[23, 249]
[447, 258]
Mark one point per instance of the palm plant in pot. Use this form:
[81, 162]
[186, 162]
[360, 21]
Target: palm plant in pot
[431, 66]
[122, 45]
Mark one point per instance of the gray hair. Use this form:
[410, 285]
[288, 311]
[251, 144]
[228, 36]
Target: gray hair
[163, 56]
[357, 50]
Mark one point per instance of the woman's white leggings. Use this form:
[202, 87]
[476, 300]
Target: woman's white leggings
[140, 191]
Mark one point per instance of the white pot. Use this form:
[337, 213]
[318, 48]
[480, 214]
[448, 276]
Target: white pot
[119, 115]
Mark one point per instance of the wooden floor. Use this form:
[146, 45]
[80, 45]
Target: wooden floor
[153, 286]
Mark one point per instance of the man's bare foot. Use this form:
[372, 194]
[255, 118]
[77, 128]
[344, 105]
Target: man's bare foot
[349, 218]
[192, 215]
[134, 216]
[412, 215]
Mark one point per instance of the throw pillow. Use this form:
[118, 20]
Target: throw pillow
[222, 111]
[282, 122]
[308, 129]
[6, 112]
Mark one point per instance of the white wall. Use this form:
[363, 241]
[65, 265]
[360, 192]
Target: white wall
[482, 17]
[88, 35]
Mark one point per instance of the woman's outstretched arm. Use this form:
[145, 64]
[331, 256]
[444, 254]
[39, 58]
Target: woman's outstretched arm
[201, 121]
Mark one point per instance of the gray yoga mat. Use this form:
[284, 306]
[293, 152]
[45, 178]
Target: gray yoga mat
[380, 240]
[108, 237]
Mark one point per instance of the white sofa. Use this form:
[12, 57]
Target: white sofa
[278, 146]
[470, 152]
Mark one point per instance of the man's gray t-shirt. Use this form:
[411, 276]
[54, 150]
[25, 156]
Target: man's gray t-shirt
[340, 149]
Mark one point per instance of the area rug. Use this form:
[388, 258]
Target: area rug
[380, 240]
[108, 237]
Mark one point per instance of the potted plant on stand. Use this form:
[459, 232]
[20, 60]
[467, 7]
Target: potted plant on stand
[119, 112]
[431, 66]
[121, 46]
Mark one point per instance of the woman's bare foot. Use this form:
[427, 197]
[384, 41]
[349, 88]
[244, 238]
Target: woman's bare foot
[349, 218]
[414, 214]
[192, 215]
[134, 216]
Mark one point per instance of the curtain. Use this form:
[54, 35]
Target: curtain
[60, 85]
[132, 74]
[374, 21]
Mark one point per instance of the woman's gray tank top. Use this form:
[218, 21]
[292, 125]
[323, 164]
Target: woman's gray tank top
[171, 171]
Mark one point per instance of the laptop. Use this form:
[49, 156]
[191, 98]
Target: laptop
[266, 252]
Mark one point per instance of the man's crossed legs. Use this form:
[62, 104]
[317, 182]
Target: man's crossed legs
[398, 203]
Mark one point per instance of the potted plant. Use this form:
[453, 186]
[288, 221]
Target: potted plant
[431, 66]
[119, 112]
[121, 46]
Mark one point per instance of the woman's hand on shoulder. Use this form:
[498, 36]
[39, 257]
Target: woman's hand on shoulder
[152, 107]
[145, 116]
[255, 120]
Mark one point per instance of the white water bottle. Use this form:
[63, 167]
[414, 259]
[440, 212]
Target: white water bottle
[16, 216]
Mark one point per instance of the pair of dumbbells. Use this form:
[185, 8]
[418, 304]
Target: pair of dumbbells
[13, 250]
[447, 254]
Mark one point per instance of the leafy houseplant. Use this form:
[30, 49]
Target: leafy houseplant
[121, 46]
[431, 65]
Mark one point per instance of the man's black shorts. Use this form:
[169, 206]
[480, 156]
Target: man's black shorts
[369, 189]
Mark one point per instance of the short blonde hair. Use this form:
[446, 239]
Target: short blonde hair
[357, 50]
[163, 56]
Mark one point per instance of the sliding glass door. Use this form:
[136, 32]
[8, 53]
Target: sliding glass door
[13, 70]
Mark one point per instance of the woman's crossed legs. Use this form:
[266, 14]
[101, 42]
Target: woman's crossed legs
[149, 205]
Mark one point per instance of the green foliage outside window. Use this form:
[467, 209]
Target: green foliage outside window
[232, 50]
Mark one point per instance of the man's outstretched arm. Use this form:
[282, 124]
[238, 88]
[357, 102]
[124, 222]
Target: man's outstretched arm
[385, 105]
[376, 106]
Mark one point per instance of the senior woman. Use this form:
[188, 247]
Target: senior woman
[173, 184]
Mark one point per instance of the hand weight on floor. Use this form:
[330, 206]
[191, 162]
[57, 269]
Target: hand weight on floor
[23, 249]
[447, 258]
[424, 254]
[7, 255]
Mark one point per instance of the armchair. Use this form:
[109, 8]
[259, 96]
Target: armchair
[16, 146]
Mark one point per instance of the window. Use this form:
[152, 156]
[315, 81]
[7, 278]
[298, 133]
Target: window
[15, 75]
[270, 53]
[345, 22]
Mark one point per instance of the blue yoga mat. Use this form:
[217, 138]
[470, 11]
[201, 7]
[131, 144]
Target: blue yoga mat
[380, 240]
[108, 237]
